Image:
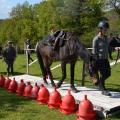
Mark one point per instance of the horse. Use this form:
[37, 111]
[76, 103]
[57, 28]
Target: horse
[70, 50]
[114, 42]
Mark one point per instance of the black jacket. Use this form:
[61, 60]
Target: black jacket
[10, 53]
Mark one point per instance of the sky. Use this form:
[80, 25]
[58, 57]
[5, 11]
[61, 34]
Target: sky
[6, 6]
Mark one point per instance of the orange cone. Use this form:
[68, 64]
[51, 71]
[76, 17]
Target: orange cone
[20, 88]
[34, 91]
[7, 82]
[85, 111]
[12, 86]
[27, 90]
[43, 95]
[68, 105]
[54, 99]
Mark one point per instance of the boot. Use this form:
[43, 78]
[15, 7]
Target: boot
[104, 85]
[11, 70]
[103, 89]
[8, 71]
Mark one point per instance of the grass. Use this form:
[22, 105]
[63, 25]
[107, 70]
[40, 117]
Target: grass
[13, 107]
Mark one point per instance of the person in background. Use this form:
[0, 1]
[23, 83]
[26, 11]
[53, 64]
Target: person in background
[28, 46]
[9, 54]
[101, 50]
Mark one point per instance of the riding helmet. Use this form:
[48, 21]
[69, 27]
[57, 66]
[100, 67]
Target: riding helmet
[103, 25]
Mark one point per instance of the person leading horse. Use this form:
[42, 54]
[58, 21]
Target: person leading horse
[101, 50]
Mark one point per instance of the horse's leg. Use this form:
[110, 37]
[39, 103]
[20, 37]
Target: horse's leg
[72, 68]
[41, 63]
[44, 76]
[47, 63]
[63, 67]
[51, 77]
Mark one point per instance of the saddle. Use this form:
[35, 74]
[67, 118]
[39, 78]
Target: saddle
[57, 39]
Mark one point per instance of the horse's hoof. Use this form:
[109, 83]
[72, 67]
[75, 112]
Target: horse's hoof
[74, 90]
[58, 85]
[45, 82]
[53, 85]
[106, 93]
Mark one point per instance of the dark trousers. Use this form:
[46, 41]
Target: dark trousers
[29, 58]
[10, 66]
[104, 70]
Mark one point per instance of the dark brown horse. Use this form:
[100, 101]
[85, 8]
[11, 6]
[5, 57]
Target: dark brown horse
[68, 52]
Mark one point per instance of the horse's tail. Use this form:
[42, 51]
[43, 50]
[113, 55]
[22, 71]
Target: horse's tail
[40, 60]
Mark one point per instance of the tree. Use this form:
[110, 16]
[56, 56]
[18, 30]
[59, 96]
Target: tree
[35, 21]
[112, 5]
[116, 5]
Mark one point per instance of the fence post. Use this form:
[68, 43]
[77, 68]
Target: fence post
[27, 64]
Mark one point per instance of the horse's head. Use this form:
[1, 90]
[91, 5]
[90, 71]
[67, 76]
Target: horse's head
[93, 69]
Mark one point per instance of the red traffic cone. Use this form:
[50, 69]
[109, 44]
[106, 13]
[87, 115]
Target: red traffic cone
[27, 90]
[20, 88]
[7, 82]
[43, 95]
[2, 80]
[68, 105]
[34, 91]
[85, 111]
[12, 86]
[54, 99]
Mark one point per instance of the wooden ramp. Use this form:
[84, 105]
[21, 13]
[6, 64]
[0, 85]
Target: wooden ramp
[104, 105]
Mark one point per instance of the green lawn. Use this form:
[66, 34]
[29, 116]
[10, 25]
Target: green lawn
[13, 107]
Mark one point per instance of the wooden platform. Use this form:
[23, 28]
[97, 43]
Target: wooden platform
[105, 105]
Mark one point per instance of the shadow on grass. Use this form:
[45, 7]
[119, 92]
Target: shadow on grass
[18, 73]
[10, 102]
[15, 73]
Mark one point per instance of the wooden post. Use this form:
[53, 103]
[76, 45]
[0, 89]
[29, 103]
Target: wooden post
[27, 64]
[26, 53]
